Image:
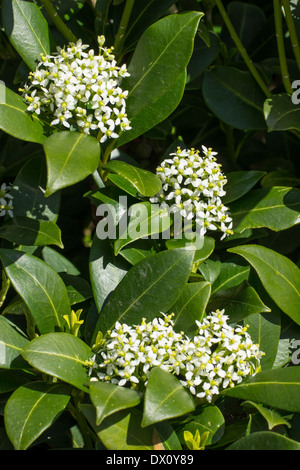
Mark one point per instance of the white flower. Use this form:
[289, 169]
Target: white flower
[80, 89]
[6, 201]
[193, 186]
[219, 356]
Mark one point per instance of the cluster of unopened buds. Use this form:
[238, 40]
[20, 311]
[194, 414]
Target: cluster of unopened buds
[193, 185]
[81, 89]
[217, 357]
[6, 201]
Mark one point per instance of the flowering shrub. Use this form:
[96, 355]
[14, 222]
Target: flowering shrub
[149, 225]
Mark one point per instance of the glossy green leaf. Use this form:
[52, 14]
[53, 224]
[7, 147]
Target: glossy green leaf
[121, 430]
[202, 251]
[138, 250]
[161, 280]
[281, 113]
[28, 191]
[191, 306]
[208, 419]
[165, 398]
[58, 262]
[272, 417]
[265, 329]
[41, 288]
[15, 121]
[78, 288]
[147, 183]
[239, 302]
[27, 231]
[239, 183]
[12, 342]
[61, 355]
[108, 398]
[278, 274]
[277, 388]
[71, 157]
[276, 208]
[234, 97]
[145, 220]
[264, 440]
[27, 30]
[105, 270]
[231, 275]
[157, 71]
[31, 409]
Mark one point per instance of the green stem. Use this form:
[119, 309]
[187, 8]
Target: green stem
[280, 45]
[56, 19]
[120, 37]
[98, 180]
[242, 50]
[292, 30]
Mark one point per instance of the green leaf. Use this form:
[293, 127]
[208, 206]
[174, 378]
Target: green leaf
[273, 419]
[264, 330]
[231, 275]
[208, 419]
[277, 388]
[239, 183]
[144, 181]
[201, 254]
[27, 231]
[58, 262]
[138, 250]
[32, 409]
[61, 355]
[161, 280]
[71, 157]
[157, 72]
[121, 431]
[239, 302]
[109, 398]
[105, 270]
[40, 287]
[165, 398]
[28, 191]
[276, 208]
[145, 220]
[264, 440]
[278, 274]
[234, 97]
[15, 121]
[12, 342]
[191, 306]
[281, 113]
[27, 30]
[78, 288]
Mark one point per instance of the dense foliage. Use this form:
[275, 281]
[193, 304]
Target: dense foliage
[119, 328]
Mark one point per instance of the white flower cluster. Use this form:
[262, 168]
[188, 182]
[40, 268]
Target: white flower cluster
[194, 185]
[218, 356]
[80, 88]
[6, 206]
